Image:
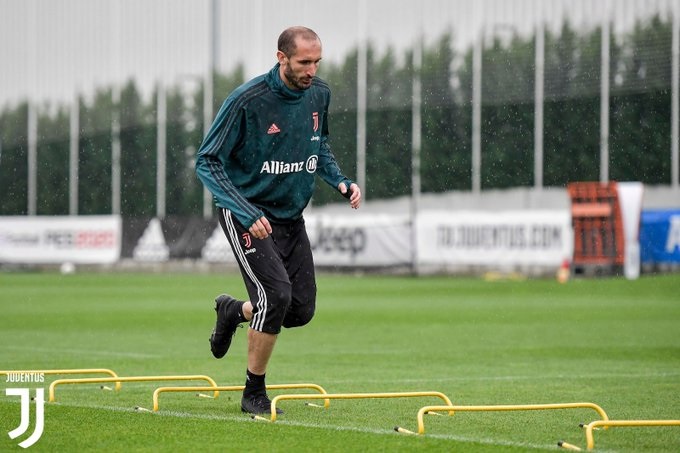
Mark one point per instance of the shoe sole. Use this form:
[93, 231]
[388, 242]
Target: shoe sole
[216, 349]
[266, 412]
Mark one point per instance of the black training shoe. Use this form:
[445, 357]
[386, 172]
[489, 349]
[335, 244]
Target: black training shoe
[258, 404]
[228, 319]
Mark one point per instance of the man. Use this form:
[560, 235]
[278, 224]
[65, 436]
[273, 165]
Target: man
[258, 160]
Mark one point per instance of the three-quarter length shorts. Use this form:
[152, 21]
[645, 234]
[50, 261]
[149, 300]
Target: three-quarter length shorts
[278, 272]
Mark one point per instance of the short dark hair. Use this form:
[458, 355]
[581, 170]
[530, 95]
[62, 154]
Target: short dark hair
[286, 42]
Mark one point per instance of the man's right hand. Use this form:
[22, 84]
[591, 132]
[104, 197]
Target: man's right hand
[261, 228]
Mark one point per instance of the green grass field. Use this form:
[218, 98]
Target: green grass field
[612, 342]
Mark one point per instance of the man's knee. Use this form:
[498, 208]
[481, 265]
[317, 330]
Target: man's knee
[299, 317]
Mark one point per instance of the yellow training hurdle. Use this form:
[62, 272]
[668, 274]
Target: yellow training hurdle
[330, 396]
[197, 377]
[590, 441]
[67, 371]
[233, 388]
[503, 407]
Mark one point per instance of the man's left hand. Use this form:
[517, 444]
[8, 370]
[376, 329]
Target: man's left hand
[354, 194]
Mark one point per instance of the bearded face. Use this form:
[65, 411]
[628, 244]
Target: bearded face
[296, 80]
[298, 69]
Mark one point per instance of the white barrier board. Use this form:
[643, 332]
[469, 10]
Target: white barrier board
[49, 239]
[359, 239]
[506, 238]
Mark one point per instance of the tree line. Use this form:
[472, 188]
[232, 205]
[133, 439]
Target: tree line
[639, 141]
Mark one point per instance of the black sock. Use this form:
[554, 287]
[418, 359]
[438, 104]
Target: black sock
[254, 384]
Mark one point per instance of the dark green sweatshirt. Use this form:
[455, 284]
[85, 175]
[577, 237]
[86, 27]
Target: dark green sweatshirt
[264, 147]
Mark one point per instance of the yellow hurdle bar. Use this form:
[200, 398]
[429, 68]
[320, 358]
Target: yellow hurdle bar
[197, 377]
[590, 441]
[234, 388]
[568, 446]
[69, 371]
[347, 396]
[506, 407]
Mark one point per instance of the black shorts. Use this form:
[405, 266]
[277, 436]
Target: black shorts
[278, 272]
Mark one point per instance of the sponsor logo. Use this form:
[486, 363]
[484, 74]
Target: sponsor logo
[315, 121]
[510, 237]
[315, 138]
[216, 250]
[246, 240]
[151, 245]
[673, 239]
[350, 241]
[83, 239]
[310, 166]
[273, 129]
[278, 167]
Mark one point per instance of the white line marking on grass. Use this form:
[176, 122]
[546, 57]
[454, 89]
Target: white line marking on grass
[133, 355]
[496, 442]
[509, 378]
[246, 419]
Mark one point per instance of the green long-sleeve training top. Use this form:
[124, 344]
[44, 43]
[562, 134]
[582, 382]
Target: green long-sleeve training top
[264, 147]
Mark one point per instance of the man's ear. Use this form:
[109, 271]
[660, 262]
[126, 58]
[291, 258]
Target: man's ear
[281, 57]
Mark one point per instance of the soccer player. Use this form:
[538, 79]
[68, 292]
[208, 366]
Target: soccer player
[259, 158]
